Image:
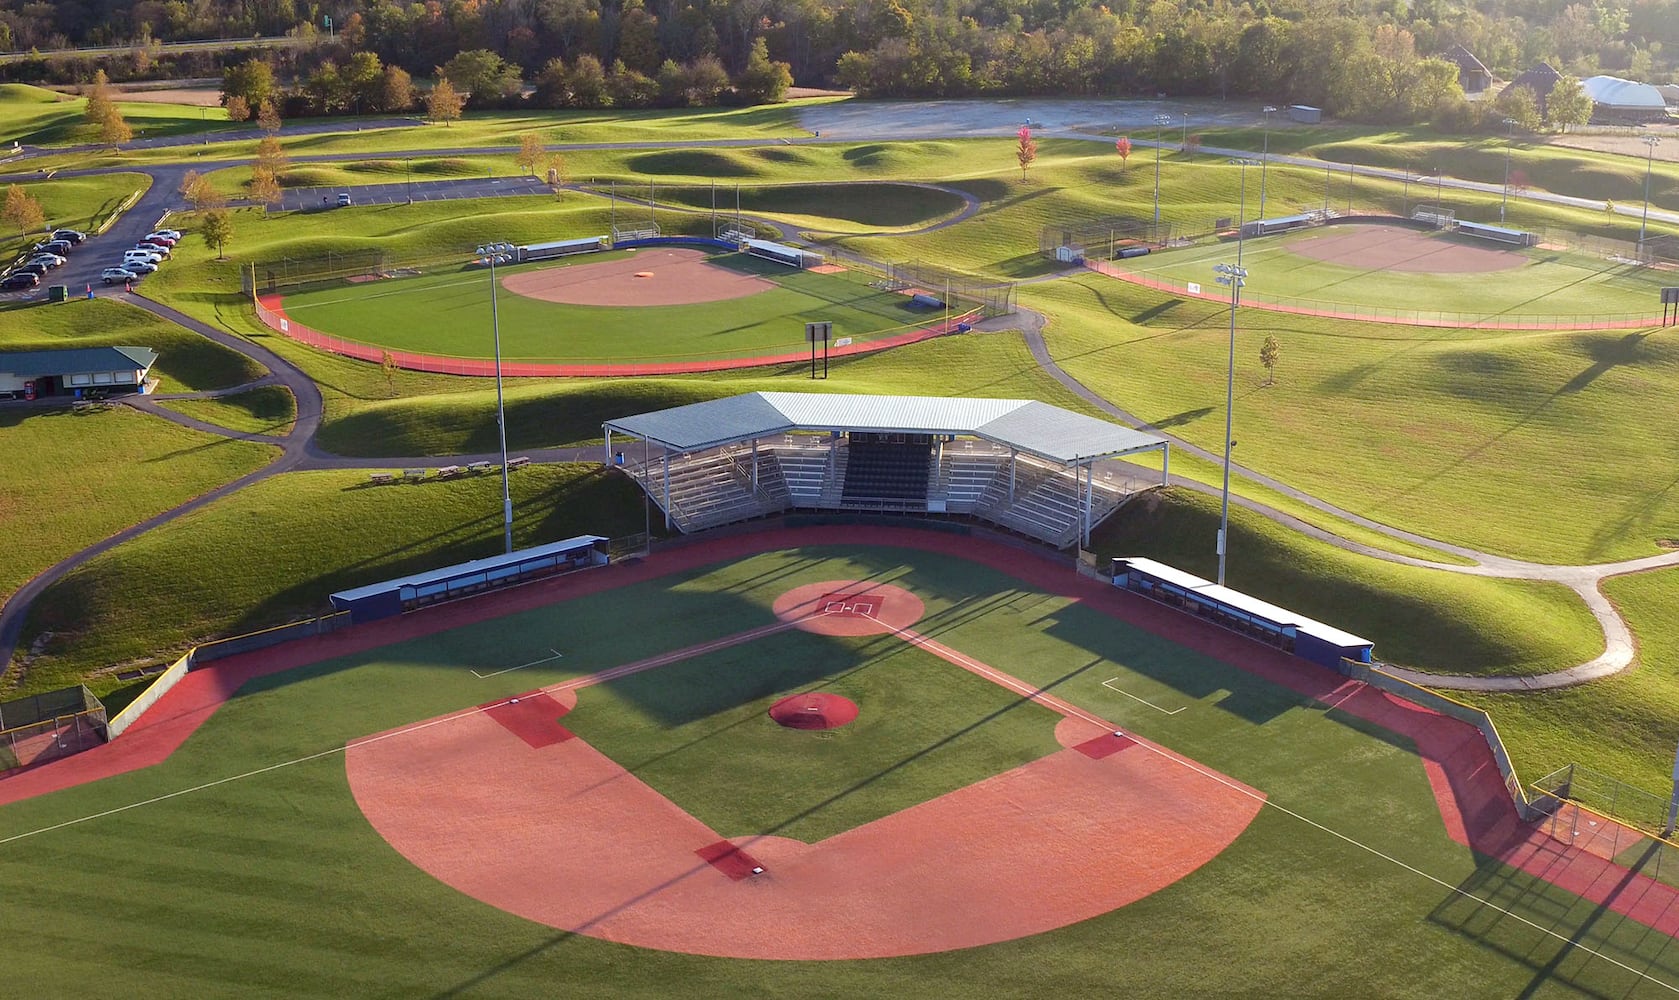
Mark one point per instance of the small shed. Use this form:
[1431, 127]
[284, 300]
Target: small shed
[1472, 75]
[1305, 114]
[35, 374]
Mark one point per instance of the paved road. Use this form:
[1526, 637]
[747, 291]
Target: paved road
[399, 192]
[325, 127]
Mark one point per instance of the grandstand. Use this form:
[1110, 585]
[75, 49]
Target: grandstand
[1025, 466]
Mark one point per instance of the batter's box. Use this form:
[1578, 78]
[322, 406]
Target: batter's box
[851, 605]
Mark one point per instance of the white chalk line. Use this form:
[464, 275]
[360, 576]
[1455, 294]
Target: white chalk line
[546, 659]
[1109, 684]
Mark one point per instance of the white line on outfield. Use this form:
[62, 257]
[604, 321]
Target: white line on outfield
[497, 673]
[1109, 684]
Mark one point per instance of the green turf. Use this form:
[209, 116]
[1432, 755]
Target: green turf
[1429, 619]
[1540, 286]
[186, 362]
[444, 313]
[280, 547]
[1534, 444]
[270, 409]
[699, 732]
[71, 479]
[273, 884]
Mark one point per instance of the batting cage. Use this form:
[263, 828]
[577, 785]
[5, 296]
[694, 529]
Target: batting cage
[1102, 239]
[48, 726]
[990, 296]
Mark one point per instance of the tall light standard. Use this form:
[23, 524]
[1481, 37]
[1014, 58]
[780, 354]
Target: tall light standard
[1234, 275]
[1159, 122]
[1651, 141]
[1439, 189]
[408, 165]
[1509, 138]
[502, 253]
[1265, 157]
[1186, 131]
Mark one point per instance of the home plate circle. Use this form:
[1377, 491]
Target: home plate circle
[849, 607]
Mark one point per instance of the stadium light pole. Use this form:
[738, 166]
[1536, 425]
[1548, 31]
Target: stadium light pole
[1234, 275]
[1651, 141]
[1265, 157]
[408, 168]
[1186, 131]
[1160, 121]
[1509, 138]
[1439, 188]
[490, 252]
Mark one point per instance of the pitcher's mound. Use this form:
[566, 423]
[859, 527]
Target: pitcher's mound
[816, 710]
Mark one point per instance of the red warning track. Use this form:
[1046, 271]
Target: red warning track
[1466, 782]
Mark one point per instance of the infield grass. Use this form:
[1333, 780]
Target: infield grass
[272, 884]
[1531, 444]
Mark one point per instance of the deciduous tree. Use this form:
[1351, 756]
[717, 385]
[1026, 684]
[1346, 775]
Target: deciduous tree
[199, 192]
[217, 229]
[237, 109]
[265, 187]
[444, 103]
[530, 154]
[1269, 353]
[1026, 149]
[1122, 146]
[268, 118]
[1568, 104]
[22, 212]
[252, 80]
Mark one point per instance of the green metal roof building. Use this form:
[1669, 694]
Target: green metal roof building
[34, 374]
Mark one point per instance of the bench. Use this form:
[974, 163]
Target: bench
[477, 467]
[518, 463]
[414, 475]
[381, 478]
[450, 471]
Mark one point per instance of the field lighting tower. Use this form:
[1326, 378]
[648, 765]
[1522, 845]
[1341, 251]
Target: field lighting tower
[1265, 157]
[1509, 138]
[1160, 121]
[1235, 276]
[1651, 141]
[500, 253]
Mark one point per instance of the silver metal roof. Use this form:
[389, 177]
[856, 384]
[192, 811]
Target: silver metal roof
[1033, 427]
[1245, 602]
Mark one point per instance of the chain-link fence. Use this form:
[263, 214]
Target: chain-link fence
[48, 726]
[989, 295]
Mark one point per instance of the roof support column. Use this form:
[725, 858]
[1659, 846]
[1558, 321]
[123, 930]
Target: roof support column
[754, 465]
[1165, 464]
[608, 444]
[667, 489]
[1012, 456]
[1089, 499]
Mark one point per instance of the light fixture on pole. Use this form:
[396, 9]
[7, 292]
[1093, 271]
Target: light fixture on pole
[1234, 275]
[1186, 131]
[1159, 122]
[1509, 137]
[408, 173]
[502, 253]
[1265, 157]
[1651, 141]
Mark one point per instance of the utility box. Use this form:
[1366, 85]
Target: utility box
[58, 293]
[1305, 114]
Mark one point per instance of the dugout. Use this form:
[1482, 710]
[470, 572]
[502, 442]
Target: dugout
[1287, 630]
[562, 248]
[1281, 224]
[1500, 234]
[781, 253]
[410, 593]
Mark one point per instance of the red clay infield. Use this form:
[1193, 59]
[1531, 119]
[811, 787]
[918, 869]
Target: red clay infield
[816, 710]
[674, 277]
[1396, 248]
[849, 607]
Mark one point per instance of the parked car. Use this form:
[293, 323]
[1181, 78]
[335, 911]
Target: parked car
[157, 248]
[174, 234]
[59, 247]
[49, 259]
[112, 275]
[19, 279]
[163, 238]
[39, 270]
[139, 265]
[73, 236]
[150, 256]
[344, 199]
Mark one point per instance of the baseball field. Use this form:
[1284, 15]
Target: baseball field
[647, 778]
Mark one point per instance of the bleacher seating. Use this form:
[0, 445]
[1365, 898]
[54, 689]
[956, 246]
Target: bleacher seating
[888, 467]
[805, 471]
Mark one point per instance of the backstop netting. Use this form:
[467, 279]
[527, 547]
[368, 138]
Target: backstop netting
[1101, 239]
[1434, 215]
[1597, 813]
[297, 273]
[44, 727]
[1659, 250]
[990, 296]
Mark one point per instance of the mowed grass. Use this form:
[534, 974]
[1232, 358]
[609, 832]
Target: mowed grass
[1424, 618]
[71, 479]
[840, 207]
[1623, 725]
[35, 116]
[186, 362]
[1539, 286]
[699, 732]
[444, 313]
[1532, 444]
[275, 881]
[269, 409]
[273, 553]
[83, 203]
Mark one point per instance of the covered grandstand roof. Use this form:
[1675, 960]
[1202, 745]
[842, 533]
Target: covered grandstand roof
[1030, 426]
[1614, 92]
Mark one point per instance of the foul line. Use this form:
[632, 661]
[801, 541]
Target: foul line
[546, 659]
[1109, 684]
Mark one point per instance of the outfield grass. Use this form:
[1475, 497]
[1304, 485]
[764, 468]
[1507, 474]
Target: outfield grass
[1623, 725]
[186, 362]
[1539, 286]
[699, 732]
[279, 548]
[443, 312]
[1536, 445]
[269, 409]
[276, 883]
[84, 203]
[71, 479]
[1429, 619]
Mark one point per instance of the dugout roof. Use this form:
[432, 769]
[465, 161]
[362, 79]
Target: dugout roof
[1040, 429]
